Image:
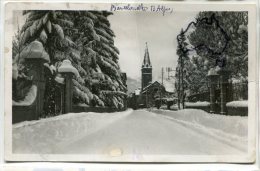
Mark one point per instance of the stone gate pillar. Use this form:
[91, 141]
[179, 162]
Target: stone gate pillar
[35, 56]
[224, 76]
[213, 81]
[67, 70]
[36, 72]
[68, 92]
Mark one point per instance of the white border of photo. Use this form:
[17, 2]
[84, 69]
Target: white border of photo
[253, 86]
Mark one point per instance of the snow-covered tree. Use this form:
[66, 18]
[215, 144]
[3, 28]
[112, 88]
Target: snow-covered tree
[111, 87]
[50, 28]
[181, 81]
[211, 36]
[85, 38]
[222, 34]
[100, 59]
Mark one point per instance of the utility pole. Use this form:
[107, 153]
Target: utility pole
[179, 87]
[162, 75]
[182, 84]
[168, 69]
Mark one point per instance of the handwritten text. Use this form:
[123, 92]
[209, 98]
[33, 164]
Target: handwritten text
[142, 8]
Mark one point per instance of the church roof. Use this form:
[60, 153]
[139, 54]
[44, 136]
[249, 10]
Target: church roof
[146, 62]
[156, 83]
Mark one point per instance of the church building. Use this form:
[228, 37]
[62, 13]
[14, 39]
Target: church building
[150, 91]
[146, 69]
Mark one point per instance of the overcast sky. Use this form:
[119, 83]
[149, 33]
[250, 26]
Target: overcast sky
[133, 29]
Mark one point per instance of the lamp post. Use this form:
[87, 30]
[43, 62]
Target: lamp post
[213, 81]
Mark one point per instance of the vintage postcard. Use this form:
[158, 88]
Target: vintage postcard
[130, 82]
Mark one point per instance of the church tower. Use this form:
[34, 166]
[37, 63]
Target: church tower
[146, 69]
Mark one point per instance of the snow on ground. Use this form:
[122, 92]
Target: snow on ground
[46, 135]
[199, 103]
[231, 129]
[236, 125]
[145, 133]
[243, 103]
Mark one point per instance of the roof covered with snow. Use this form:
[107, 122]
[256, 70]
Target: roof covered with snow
[155, 83]
[169, 85]
[137, 92]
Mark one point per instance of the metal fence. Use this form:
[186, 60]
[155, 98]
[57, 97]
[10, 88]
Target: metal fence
[235, 92]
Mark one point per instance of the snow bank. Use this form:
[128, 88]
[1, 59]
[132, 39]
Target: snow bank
[199, 103]
[236, 125]
[238, 104]
[51, 134]
[231, 130]
[29, 98]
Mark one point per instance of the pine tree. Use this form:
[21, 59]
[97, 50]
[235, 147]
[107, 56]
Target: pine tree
[85, 38]
[100, 58]
[111, 90]
[214, 35]
[226, 35]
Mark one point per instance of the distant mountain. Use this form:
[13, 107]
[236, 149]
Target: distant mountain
[132, 84]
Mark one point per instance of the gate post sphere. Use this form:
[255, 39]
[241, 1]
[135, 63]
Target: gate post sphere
[213, 81]
[67, 70]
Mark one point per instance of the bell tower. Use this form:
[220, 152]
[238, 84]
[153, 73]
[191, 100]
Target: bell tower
[146, 69]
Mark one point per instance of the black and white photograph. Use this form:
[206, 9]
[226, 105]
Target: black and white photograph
[133, 82]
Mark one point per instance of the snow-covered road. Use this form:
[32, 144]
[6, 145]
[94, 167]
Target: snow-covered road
[144, 132]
